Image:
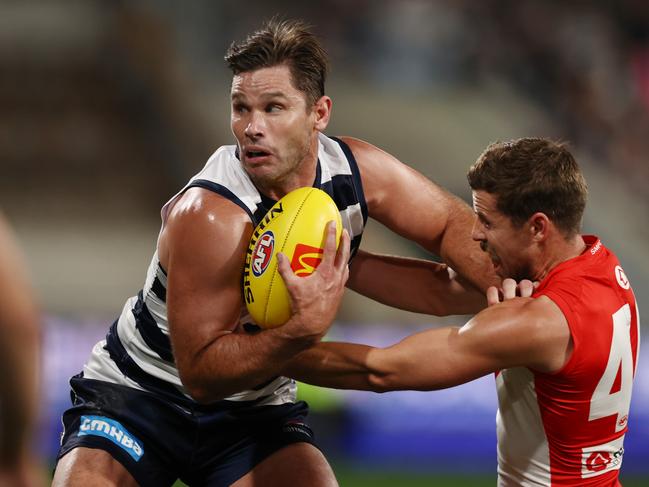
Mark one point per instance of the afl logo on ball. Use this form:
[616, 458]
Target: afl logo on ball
[262, 253]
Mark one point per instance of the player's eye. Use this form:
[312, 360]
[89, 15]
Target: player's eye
[273, 108]
[485, 223]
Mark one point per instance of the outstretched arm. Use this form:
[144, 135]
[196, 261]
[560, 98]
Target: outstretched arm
[202, 249]
[519, 332]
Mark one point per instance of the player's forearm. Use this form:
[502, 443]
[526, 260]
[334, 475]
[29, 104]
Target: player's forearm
[414, 285]
[236, 362]
[428, 360]
[336, 365]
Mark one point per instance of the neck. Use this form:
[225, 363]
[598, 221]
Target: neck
[559, 251]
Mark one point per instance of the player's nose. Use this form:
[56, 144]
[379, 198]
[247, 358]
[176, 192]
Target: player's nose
[477, 233]
[255, 126]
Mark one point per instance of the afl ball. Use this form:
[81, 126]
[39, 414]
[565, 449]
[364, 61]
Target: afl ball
[295, 226]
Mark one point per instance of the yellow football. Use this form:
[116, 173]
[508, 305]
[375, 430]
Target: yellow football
[295, 226]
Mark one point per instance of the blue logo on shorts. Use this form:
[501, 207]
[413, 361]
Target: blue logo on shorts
[114, 431]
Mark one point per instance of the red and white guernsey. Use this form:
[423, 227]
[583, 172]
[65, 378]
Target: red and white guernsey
[567, 428]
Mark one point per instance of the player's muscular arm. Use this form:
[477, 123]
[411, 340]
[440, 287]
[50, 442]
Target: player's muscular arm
[411, 284]
[520, 332]
[202, 249]
[416, 208]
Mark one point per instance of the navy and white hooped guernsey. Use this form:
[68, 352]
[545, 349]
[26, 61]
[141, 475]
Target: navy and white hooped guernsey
[137, 350]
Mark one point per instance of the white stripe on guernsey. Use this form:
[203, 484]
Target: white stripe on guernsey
[151, 273]
[523, 451]
[101, 367]
[158, 310]
[157, 307]
[333, 161]
[352, 218]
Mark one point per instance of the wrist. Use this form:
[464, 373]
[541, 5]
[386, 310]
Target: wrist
[296, 333]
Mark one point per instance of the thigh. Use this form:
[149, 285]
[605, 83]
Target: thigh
[88, 467]
[238, 443]
[298, 464]
[113, 429]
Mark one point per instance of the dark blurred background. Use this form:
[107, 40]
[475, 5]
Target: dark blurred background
[107, 107]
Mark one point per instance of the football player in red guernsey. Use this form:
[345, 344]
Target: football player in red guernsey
[564, 359]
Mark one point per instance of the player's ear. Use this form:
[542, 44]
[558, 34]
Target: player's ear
[538, 226]
[322, 112]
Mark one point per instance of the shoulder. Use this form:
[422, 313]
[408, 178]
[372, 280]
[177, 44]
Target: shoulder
[204, 222]
[366, 153]
[199, 205]
[384, 176]
[518, 316]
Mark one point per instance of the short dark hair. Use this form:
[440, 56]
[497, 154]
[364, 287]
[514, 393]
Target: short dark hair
[289, 42]
[532, 175]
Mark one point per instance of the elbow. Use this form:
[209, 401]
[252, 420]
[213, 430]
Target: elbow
[380, 371]
[200, 390]
[201, 395]
[436, 309]
[380, 383]
[437, 303]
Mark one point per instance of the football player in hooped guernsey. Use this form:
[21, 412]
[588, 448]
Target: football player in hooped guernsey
[182, 387]
[564, 359]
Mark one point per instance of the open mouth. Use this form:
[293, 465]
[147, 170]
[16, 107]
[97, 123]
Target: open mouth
[256, 154]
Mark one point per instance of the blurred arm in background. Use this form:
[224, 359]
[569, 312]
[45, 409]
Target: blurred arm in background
[19, 363]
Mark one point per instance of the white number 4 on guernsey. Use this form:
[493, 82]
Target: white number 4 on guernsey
[605, 403]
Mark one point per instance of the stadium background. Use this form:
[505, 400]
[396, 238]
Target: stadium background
[107, 107]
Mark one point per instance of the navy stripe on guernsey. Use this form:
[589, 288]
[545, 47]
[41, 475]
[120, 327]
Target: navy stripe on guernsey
[130, 369]
[356, 177]
[219, 189]
[155, 339]
[158, 288]
[350, 189]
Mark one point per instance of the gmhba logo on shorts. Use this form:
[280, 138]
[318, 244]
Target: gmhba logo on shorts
[114, 431]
